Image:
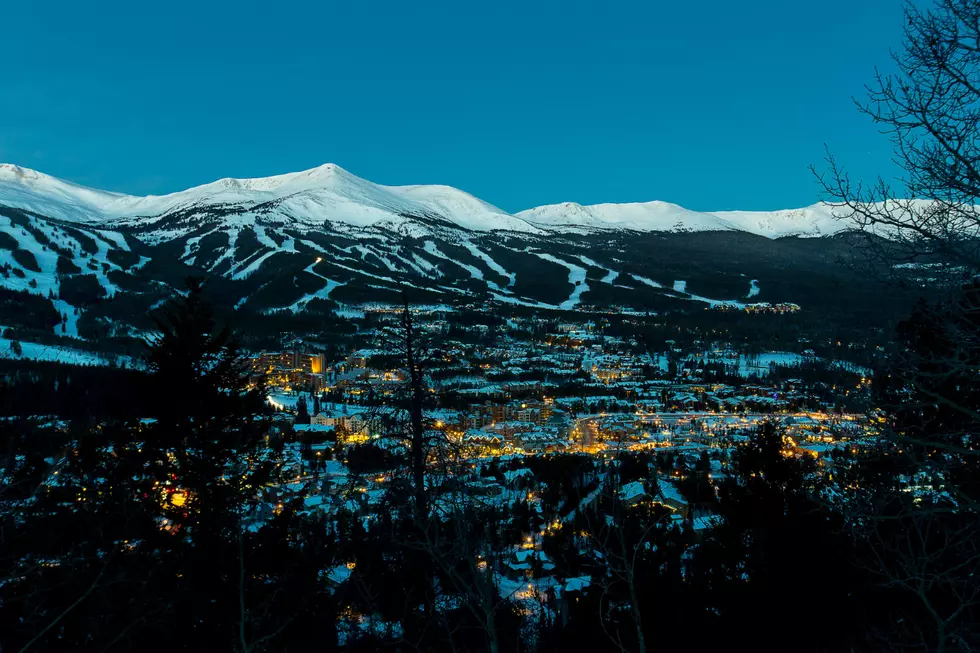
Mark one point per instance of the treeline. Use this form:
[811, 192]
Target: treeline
[70, 392]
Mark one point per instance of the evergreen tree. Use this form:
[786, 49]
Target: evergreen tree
[777, 551]
[302, 413]
[167, 526]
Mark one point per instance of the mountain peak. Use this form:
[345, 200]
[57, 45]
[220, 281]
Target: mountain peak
[304, 179]
[331, 193]
[13, 172]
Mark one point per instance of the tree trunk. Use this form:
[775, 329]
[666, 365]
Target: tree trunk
[415, 410]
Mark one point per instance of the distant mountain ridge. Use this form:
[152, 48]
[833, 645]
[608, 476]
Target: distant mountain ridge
[83, 263]
[331, 194]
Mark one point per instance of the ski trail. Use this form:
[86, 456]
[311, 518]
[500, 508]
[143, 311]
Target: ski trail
[492, 264]
[388, 279]
[191, 246]
[229, 252]
[644, 280]
[322, 293]
[71, 318]
[610, 278]
[253, 266]
[576, 277]
[263, 237]
[476, 273]
[680, 287]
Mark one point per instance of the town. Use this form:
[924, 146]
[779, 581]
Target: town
[500, 411]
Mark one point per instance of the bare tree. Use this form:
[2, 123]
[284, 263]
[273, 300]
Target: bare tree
[405, 410]
[921, 540]
[623, 537]
[930, 110]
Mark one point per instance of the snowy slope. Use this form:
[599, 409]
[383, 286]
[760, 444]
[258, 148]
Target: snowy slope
[312, 197]
[83, 263]
[330, 194]
[816, 220]
[646, 216]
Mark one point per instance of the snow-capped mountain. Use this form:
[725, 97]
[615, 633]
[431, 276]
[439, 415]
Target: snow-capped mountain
[312, 197]
[331, 194]
[816, 220]
[91, 263]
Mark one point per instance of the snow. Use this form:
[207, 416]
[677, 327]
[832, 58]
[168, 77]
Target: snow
[630, 491]
[322, 293]
[71, 319]
[281, 400]
[143, 261]
[331, 194]
[816, 220]
[229, 253]
[577, 584]
[669, 492]
[389, 279]
[101, 255]
[645, 280]
[760, 365]
[586, 501]
[45, 281]
[753, 288]
[507, 299]
[253, 266]
[476, 273]
[467, 211]
[339, 574]
[263, 237]
[492, 264]
[118, 240]
[647, 216]
[312, 197]
[680, 288]
[611, 275]
[60, 354]
[576, 277]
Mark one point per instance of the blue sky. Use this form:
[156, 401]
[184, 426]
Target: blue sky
[713, 105]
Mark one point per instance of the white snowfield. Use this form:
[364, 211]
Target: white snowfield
[311, 197]
[331, 194]
[816, 220]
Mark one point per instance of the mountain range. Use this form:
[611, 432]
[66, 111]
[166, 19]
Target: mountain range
[91, 263]
[331, 194]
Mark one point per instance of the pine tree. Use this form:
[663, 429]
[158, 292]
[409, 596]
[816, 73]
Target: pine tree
[302, 413]
[166, 526]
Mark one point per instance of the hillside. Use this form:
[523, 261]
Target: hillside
[79, 262]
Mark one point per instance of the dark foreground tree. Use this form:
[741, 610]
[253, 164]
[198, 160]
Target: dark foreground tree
[777, 551]
[930, 108]
[161, 533]
[914, 514]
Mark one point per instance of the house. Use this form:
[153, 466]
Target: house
[527, 563]
[669, 496]
[632, 493]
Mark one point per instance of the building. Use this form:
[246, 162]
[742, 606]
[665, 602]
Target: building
[289, 369]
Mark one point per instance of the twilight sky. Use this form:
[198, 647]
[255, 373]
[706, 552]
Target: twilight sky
[712, 105]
